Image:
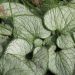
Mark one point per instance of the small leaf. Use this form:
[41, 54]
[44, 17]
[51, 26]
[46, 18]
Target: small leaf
[40, 57]
[1, 50]
[65, 41]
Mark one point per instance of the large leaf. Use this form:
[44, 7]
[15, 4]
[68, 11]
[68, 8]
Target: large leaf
[60, 18]
[29, 28]
[61, 63]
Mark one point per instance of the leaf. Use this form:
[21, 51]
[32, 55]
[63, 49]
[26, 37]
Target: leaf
[59, 18]
[40, 57]
[22, 67]
[14, 66]
[72, 1]
[15, 9]
[38, 42]
[36, 69]
[65, 41]
[26, 24]
[61, 63]
[19, 48]
[15, 71]
[29, 28]
[5, 30]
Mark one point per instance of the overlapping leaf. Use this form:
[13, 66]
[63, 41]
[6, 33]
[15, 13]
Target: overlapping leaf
[19, 47]
[29, 31]
[61, 19]
[61, 63]
[5, 30]
[1, 50]
[12, 65]
[29, 27]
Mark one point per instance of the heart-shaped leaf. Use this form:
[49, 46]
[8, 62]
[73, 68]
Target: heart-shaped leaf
[60, 18]
[61, 63]
[19, 47]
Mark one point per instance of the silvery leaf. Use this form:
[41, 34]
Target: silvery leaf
[14, 9]
[5, 30]
[29, 28]
[10, 64]
[40, 57]
[65, 41]
[19, 47]
[60, 18]
[61, 63]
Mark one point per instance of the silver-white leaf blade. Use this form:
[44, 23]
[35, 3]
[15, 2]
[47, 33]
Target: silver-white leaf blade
[1, 50]
[18, 47]
[40, 57]
[29, 27]
[62, 63]
[36, 69]
[14, 9]
[5, 30]
[65, 41]
[59, 18]
[14, 66]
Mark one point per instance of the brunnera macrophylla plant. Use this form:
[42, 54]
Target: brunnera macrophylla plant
[35, 47]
